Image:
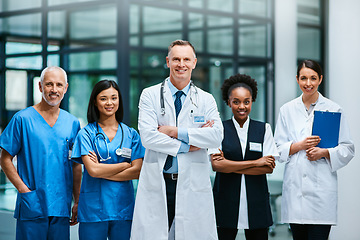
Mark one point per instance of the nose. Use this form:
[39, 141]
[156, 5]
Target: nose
[181, 63]
[241, 105]
[308, 82]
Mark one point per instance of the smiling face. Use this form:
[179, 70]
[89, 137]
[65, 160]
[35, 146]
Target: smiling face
[53, 87]
[240, 101]
[107, 102]
[309, 81]
[181, 61]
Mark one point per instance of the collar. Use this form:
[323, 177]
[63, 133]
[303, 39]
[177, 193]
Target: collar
[237, 125]
[173, 89]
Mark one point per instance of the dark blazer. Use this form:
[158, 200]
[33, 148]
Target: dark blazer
[227, 185]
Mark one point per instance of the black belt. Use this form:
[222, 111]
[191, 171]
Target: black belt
[172, 176]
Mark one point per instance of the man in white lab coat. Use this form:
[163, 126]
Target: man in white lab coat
[177, 123]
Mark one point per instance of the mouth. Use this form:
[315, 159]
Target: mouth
[53, 95]
[109, 109]
[181, 70]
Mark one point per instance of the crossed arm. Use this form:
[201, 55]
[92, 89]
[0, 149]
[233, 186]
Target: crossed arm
[116, 172]
[260, 166]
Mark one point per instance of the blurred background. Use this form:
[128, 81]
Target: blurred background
[127, 40]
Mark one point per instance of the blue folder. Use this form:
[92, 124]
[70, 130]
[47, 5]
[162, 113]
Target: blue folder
[326, 125]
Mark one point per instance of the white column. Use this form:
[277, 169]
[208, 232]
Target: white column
[344, 88]
[285, 60]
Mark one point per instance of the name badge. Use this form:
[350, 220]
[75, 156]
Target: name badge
[199, 119]
[124, 152]
[256, 147]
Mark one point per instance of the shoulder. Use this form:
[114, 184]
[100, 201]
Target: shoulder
[88, 130]
[152, 88]
[257, 124]
[291, 104]
[25, 114]
[131, 131]
[68, 115]
[329, 104]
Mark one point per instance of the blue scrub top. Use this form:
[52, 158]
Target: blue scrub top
[102, 199]
[42, 162]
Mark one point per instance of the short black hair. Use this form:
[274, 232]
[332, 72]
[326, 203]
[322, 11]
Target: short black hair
[239, 80]
[310, 64]
[93, 112]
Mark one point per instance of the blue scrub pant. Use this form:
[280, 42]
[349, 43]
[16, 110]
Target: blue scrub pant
[112, 230]
[50, 228]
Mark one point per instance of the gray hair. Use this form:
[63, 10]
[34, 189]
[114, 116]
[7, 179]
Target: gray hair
[52, 68]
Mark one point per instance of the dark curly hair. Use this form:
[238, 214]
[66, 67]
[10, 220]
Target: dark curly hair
[239, 80]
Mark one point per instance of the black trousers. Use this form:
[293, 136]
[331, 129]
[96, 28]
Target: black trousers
[310, 231]
[250, 234]
[170, 198]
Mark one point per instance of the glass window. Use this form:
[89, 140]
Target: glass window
[53, 60]
[253, 40]
[255, 7]
[196, 3]
[56, 25]
[92, 60]
[37, 95]
[309, 11]
[134, 24]
[11, 5]
[157, 31]
[225, 5]
[25, 62]
[220, 35]
[24, 25]
[14, 46]
[59, 2]
[15, 90]
[158, 19]
[196, 32]
[177, 2]
[309, 43]
[93, 27]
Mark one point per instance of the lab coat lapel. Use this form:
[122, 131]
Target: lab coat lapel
[169, 101]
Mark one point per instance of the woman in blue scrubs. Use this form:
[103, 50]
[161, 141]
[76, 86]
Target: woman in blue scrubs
[112, 156]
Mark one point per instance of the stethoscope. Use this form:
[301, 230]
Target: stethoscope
[101, 136]
[162, 104]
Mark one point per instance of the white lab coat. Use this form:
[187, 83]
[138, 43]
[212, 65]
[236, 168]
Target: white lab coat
[310, 187]
[194, 213]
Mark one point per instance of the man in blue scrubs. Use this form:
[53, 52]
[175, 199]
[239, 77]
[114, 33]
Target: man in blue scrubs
[41, 136]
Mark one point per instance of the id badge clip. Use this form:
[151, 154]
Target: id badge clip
[124, 152]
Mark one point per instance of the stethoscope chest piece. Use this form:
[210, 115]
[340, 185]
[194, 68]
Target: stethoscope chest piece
[118, 151]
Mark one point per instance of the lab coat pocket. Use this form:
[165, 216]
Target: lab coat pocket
[32, 205]
[200, 177]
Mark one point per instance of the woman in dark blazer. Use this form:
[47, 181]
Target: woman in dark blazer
[248, 153]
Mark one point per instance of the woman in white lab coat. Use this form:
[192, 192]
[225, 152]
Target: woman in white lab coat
[309, 198]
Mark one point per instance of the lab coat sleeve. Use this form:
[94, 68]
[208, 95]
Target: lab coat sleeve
[208, 137]
[269, 143]
[148, 124]
[345, 151]
[282, 140]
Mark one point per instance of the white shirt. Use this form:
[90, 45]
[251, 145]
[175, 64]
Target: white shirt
[269, 148]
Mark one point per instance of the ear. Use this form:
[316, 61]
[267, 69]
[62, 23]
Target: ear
[66, 87]
[40, 87]
[297, 78]
[321, 78]
[195, 61]
[167, 62]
